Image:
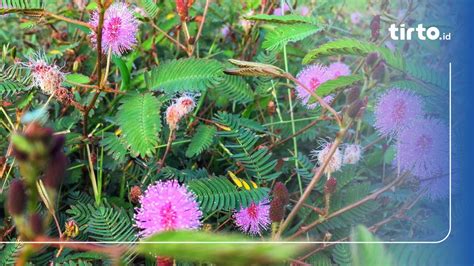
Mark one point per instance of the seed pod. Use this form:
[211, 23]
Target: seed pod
[353, 94]
[281, 192]
[36, 224]
[57, 144]
[379, 72]
[372, 59]
[375, 27]
[354, 108]
[135, 193]
[16, 197]
[330, 186]
[277, 210]
[55, 171]
[271, 108]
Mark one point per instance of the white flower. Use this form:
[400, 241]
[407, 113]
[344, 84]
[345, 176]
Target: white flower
[322, 155]
[352, 154]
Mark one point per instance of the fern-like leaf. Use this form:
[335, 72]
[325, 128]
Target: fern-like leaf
[21, 6]
[112, 225]
[332, 86]
[354, 47]
[281, 35]
[139, 119]
[220, 194]
[257, 162]
[184, 75]
[115, 146]
[201, 140]
[286, 19]
[13, 79]
[235, 88]
[150, 7]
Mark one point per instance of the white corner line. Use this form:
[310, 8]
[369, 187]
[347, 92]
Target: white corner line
[295, 242]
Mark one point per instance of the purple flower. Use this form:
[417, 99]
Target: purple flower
[312, 76]
[352, 154]
[167, 206]
[356, 18]
[395, 110]
[119, 29]
[322, 155]
[304, 10]
[338, 69]
[281, 11]
[255, 218]
[423, 149]
[437, 188]
[315, 75]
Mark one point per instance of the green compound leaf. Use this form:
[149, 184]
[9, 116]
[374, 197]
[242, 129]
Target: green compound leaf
[77, 78]
[367, 253]
[283, 34]
[218, 193]
[212, 250]
[332, 86]
[139, 119]
[286, 19]
[184, 75]
[354, 47]
[201, 140]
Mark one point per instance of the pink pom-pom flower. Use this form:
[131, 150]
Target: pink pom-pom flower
[119, 29]
[167, 206]
[255, 218]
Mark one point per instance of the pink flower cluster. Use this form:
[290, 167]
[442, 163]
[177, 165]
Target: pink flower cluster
[48, 77]
[175, 112]
[119, 29]
[255, 218]
[167, 206]
[315, 75]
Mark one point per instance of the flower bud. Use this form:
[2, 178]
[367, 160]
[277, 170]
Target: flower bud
[375, 27]
[379, 72]
[372, 59]
[354, 108]
[281, 192]
[71, 229]
[277, 210]
[135, 194]
[36, 224]
[330, 186]
[353, 94]
[55, 171]
[16, 197]
[271, 108]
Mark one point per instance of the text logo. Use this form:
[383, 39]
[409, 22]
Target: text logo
[403, 33]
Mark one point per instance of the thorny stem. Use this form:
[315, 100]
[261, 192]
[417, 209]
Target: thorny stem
[317, 176]
[161, 163]
[69, 20]
[152, 23]
[372, 196]
[99, 67]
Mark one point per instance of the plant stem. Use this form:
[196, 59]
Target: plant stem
[292, 118]
[314, 181]
[99, 68]
[68, 20]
